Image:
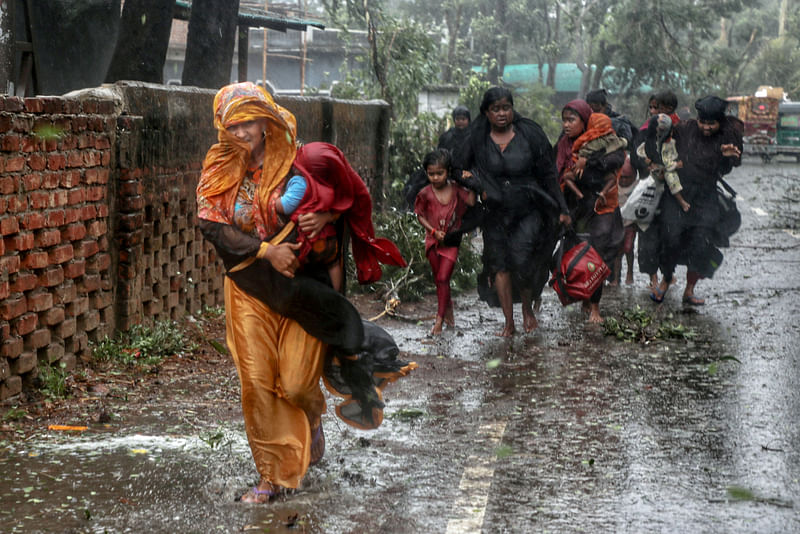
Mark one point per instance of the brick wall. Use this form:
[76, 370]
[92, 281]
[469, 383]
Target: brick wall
[98, 215]
[55, 283]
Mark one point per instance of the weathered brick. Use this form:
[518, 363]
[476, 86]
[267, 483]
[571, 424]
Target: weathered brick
[24, 363]
[34, 105]
[51, 316]
[31, 181]
[130, 221]
[71, 178]
[98, 263]
[17, 203]
[95, 194]
[130, 188]
[66, 328]
[101, 299]
[67, 362]
[55, 218]
[11, 347]
[61, 253]
[32, 221]
[72, 215]
[37, 339]
[38, 200]
[9, 225]
[89, 282]
[5, 291]
[74, 268]
[8, 184]
[5, 369]
[51, 276]
[51, 180]
[10, 387]
[76, 196]
[47, 238]
[86, 248]
[14, 163]
[13, 307]
[64, 293]
[89, 320]
[56, 162]
[37, 162]
[77, 306]
[10, 263]
[36, 259]
[24, 281]
[88, 212]
[97, 228]
[25, 323]
[11, 143]
[131, 203]
[52, 353]
[39, 301]
[102, 210]
[19, 242]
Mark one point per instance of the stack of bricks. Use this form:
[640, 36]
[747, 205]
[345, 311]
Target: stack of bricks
[55, 265]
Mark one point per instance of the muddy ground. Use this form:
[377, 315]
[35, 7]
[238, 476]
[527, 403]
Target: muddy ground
[564, 430]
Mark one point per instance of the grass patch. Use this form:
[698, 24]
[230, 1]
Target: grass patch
[52, 380]
[145, 345]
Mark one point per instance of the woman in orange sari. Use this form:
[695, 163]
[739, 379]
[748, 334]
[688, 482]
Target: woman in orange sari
[285, 325]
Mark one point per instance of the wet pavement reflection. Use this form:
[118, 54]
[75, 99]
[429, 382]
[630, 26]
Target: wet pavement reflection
[563, 430]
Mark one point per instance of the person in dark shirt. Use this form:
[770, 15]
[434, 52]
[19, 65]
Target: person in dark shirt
[513, 160]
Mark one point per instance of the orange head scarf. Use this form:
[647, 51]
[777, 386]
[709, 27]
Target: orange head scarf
[226, 162]
[599, 125]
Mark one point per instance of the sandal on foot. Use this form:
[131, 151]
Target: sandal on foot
[657, 295]
[691, 300]
[317, 445]
[257, 496]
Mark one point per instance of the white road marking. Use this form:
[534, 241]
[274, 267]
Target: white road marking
[759, 212]
[470, 505]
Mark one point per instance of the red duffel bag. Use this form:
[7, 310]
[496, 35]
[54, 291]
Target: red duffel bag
[578, 272]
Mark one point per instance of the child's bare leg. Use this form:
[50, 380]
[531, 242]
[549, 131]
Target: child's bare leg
[682, 202]
[449, 317]
[617, 272]
[437, 326]
[336, 274]
[629, 273]
[571, 185]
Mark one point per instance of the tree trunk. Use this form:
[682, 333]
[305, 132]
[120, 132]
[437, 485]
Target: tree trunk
[210, 43]
[453, 21]
[142, 42]
[782, 18]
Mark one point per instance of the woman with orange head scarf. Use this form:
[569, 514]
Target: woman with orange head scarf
[285, 325]
[589, 156]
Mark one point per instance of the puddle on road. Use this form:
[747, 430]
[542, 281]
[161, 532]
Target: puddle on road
[600, 435]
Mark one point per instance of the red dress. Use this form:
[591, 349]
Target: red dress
[445, 217]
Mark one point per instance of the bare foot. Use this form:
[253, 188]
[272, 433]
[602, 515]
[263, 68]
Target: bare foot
[260, 494]
[530, 323]
[613, 283]
[317, 444]
[594, 314]
[437, 327]
[653, 282]
[508, 331]
[449, 318]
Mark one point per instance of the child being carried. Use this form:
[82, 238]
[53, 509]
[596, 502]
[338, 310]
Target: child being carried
[661, 155]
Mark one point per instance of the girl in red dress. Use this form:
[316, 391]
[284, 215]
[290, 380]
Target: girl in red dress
[439, 208]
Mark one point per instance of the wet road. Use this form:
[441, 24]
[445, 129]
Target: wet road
[565, 430]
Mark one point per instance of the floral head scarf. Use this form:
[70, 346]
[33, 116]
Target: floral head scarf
[598, 125]
[226, 162]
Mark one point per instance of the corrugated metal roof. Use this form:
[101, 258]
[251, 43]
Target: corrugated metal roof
[254, 18]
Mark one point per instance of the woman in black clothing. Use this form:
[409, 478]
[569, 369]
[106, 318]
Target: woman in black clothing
[709, 148]
[512, 159]
[600, 219]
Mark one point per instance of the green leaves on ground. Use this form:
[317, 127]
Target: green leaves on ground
[636, 324]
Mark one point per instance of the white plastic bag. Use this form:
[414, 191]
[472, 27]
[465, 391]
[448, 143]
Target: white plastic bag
[642, 202]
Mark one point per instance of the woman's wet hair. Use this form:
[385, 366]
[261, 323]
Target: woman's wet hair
[440, 157]
[493, 95]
